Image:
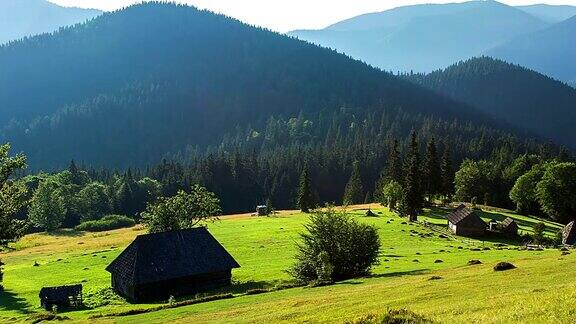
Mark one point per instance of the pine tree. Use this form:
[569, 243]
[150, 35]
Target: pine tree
[354, 191]
[305, 195]
[412, 199]
[432, 175]
[447, 174]
[394, 169]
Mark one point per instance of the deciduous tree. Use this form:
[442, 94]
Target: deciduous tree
[182, 211]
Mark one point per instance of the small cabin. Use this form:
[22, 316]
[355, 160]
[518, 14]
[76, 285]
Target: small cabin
[177, 263]
[509, 226]
[466, 222]
[262, 210]
[62, 297]
[569, 234]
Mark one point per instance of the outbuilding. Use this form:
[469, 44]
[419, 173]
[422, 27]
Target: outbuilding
[62, 297]
[509, 226]
[569, 234]
[466, 222]
[262, 210]
[159, 265]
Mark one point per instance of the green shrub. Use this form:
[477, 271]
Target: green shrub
[107, 223]
[335, 247]
[393, 316]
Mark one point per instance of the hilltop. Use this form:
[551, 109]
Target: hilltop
[509, 92]
[180, 80]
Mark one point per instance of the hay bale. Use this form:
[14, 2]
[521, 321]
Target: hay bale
[503, 266]
[474, 262]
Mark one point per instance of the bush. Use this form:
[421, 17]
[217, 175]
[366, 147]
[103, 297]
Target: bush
[107, 223]
[393, 316]
[335, 247]
[538, 236]
[503, 266]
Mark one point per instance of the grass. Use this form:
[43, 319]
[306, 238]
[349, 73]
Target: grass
[265, 247]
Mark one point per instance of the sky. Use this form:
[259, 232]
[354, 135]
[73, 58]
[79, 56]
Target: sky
[286, 15]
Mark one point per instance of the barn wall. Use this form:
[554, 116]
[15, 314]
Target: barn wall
[469, 231]
[123, 288]
[158, 291]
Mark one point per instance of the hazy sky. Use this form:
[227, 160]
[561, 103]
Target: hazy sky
[285, 15]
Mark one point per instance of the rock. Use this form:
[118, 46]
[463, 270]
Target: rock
[474, 262]
[438, 261]
[435, 278]
[36, 264]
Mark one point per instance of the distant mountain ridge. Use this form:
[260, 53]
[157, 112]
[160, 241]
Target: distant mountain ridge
[427, 37]
[511, 93]
[550, 13]
[132, 85]
[551, 51]
[21, 18]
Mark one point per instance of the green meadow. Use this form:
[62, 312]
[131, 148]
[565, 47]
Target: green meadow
[539, 290]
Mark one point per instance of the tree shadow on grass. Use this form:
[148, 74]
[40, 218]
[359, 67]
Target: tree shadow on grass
[398, 274]
[243, 287]
[66, 233]
[10, 301]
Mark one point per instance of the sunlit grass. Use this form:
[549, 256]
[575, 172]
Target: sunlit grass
[265, 247]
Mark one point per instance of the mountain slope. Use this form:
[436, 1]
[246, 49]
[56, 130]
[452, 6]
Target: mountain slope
[130, 86]
[511, 93]
[20, 18]
[550, 13]
[550, 51]
[425, 37]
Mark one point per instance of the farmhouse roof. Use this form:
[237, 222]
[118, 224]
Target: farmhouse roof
[509, 221]
[569, 234]
[170, 255]
[465, 215]
[61, 293]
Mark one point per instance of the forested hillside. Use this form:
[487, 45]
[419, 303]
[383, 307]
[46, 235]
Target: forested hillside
[133, 85]
[550, 51]
[425, 37]
[21, 18]
[512, 93]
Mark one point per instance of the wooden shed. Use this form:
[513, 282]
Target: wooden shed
[156, 266]
[466, 222]
[509, 226]
[569, 234]
[262, 210]
[62, 297]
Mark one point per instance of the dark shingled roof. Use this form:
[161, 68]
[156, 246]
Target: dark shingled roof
[170, 255]
[60, 294]
[569, 234]
[508, 222]
[466, 215]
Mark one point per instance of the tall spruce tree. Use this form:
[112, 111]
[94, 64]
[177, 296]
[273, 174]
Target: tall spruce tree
[447, 174]
[411, 203]
[394, 168]
[432, 173]
[354, 191]
[305, 194]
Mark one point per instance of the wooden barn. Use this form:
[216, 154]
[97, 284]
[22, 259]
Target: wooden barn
[156, 266]
[569, 234]
[466, 222]
[509, 226]
[62, 297]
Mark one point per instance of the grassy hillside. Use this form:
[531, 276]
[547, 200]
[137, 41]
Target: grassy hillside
[265, 247]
